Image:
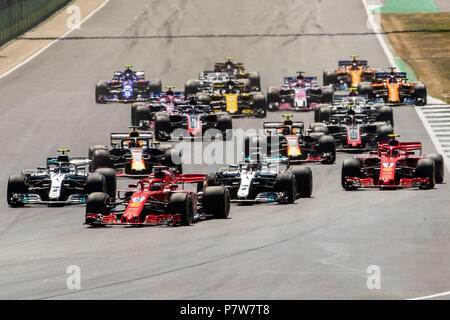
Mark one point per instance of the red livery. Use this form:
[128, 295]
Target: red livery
[394, 165]
[158, 199]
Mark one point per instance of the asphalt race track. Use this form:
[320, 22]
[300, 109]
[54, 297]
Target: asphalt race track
[317, 248]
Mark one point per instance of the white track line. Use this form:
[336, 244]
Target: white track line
[432, 296]
[53, 42]
[420, 114]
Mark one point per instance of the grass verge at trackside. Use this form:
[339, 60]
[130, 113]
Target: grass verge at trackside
[427, 52]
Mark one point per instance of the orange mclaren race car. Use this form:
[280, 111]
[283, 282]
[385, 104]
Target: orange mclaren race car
[349, 74]
[393, 88]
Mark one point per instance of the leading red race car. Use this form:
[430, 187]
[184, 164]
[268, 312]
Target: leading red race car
[159, 199]
[394, 165]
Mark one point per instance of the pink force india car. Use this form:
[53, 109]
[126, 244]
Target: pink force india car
[299, 94]
[159, 102]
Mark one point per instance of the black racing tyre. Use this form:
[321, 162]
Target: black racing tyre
[190, 87]
[327, 95]
[110, 181]
[155, 86]
[319, 127]
[16, 184]
[203, 98]
[350, 169]
[439, 166]
[285, 182]
[172, 159]
[181, 203]
[101, 159]
[133, 113]
[162, 126]
[426, 169]
[317, 111]
[273, 98]
[142, 114]
[97, 203]
[385, 113]
[224, 123]
[420, 93]
[101, 88]
[95, 183]
[365, 88]
[304, 180]
[255, 144]
[383, 132]
[329, 77]
[259, 105]
[212, 179]
[255, 81]
[216, 201]
[327, 144]
[324, 114]
[93, 148]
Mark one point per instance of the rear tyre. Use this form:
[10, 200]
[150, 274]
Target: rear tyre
[420, 93]
[304, 180]
[327, 95]
[224, 123]
[95, 183]
[327, 145]
[110, 181]
[142, 115]
[191, 87]
[273, 99]
[255, 81]
[329, 77]
[259, 105]
[155, 86]
[365, 88]
[383, 132]
[386, 114]
[216, 202]
[438, 160]
[16, 184]
[324, 114]
[171, 157]
[203, 98]
[101, 89]
[285, 183]
[181, 203]
[162, 126]
[350, 169]
[101, 159]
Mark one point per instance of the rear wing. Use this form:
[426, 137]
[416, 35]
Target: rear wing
[190, 178]
[408, 146]
[116, 138]
[308, 79]
[343, 63]
[380, 75]
[75, 161]
[278, 125]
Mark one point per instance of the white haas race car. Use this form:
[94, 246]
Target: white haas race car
[63, 181]
[261, 181]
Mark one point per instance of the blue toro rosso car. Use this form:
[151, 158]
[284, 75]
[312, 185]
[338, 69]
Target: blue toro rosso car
[126, 86]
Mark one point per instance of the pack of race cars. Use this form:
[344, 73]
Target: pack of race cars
[353, 112]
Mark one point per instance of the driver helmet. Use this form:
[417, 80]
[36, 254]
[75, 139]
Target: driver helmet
[157, 186]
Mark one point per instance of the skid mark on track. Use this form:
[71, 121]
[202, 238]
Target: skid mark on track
[224, 35]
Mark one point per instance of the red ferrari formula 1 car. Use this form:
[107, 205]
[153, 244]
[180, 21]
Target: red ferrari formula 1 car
[394, 165]
[160, 199]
